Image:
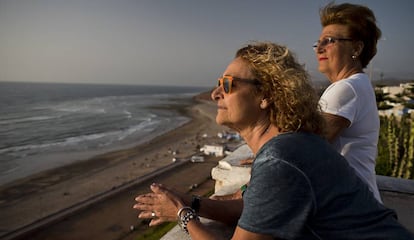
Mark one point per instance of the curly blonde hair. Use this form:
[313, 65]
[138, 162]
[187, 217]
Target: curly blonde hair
[285, 84]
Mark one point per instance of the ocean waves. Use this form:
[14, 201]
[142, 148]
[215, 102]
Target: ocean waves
[82, 124]
[92, 140]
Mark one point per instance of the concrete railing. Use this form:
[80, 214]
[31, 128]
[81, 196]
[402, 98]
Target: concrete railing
[398, 194]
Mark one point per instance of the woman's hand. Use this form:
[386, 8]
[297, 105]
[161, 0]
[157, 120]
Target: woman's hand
[161, 205]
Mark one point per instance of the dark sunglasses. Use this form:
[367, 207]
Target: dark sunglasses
[226, 82]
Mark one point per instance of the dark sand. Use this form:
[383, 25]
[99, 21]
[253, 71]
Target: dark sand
[29, 200]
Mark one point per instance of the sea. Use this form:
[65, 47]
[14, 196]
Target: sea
[49, 125]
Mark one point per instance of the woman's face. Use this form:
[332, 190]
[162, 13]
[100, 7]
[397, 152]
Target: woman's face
[241, 107]
[335, 57]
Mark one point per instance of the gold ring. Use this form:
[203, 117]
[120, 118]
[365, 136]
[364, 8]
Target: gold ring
[152, 214]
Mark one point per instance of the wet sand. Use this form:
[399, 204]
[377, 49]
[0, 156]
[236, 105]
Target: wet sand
[28, 200]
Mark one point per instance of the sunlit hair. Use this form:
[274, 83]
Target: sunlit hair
[361, 22]
[285, 84]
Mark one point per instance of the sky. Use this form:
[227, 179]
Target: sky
[175, 42]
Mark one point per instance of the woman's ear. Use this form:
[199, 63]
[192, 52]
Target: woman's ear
[358, 47]
[264, 103]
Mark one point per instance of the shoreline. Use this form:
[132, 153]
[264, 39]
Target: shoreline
[116, 151]
[26, 200]
[34, 164]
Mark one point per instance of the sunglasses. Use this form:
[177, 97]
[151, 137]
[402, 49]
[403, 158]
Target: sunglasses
[226, 82]
[326, 41]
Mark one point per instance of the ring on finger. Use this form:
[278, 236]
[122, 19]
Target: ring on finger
[152, 214]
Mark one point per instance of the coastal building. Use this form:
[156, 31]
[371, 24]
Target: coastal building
[397, 99]
[393, 91]
[216, 150]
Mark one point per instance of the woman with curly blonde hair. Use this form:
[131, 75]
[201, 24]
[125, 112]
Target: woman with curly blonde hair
[300, 187]
[285, 86]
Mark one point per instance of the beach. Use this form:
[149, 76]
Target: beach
[28, 200]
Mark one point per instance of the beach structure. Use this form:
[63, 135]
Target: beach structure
[216, 150]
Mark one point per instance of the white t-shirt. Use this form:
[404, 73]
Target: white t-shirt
[354, 99]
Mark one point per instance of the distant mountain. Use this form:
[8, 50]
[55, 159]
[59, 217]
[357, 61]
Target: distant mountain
[318, 83]
[391, 81]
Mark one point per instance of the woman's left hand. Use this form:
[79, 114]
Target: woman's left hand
[161, 205]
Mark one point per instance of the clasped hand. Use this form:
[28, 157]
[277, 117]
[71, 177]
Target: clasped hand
[161, 205]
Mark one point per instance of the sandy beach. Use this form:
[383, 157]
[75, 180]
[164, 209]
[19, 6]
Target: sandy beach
[28, 200]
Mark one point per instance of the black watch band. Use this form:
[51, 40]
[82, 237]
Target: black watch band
[195, 203]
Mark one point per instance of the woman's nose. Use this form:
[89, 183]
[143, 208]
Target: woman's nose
[215, 94]
[319, 49]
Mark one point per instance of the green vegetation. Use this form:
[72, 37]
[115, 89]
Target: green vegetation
[396, 137]
[396, 147]
[155, 233]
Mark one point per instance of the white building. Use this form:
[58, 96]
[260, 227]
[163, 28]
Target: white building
[216, 150]
[397, 109]
[394, 90]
